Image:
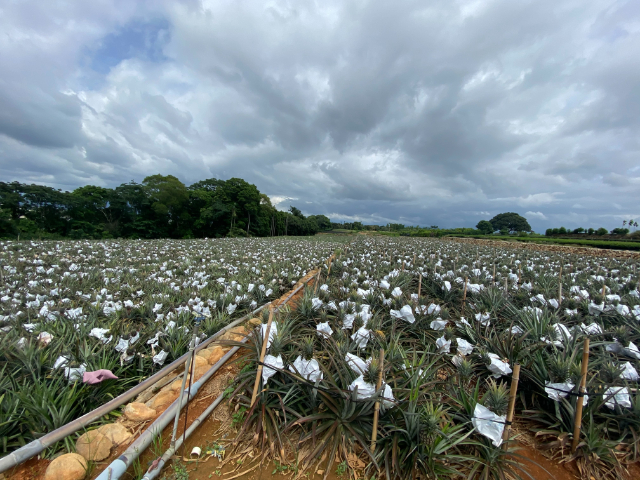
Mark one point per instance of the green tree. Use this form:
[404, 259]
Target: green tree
[168, 197]
[485, 227]
[510, 221]
[602, 231]
[323, 222]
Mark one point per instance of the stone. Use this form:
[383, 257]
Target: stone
[200, 371]
[205, 352]
[70, 466]
[164, 399]
[199, 361]
[93, 446]
[236, 334]
[138, 412]
[177, 383]
[116, 432]
[217, 353]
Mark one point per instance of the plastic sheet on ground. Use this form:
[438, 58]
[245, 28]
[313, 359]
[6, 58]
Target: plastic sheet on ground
[99, 376]
[276, 362]
[488, 424]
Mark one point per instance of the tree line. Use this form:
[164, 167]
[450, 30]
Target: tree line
[159, 207]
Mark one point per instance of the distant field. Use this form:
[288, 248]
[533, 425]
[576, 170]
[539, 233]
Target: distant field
[611, 244]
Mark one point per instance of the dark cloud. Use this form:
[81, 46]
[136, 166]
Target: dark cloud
[444, 112]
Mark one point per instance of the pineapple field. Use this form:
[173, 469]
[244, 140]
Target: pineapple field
[404, 358]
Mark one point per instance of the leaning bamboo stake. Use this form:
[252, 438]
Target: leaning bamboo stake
[464, 294]
[515, 376]
[560, 286]
[577, 422]
[376, 410]
[263, 352]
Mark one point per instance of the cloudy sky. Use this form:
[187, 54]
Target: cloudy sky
[439, 112]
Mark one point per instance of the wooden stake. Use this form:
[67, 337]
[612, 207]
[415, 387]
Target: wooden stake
[560, 286]
[419, 287]
[577, 421]
[464, 294]
[376, 410]
[403, 265]
[515, 376]
[506, 284]
[494, 273]
[263, 352]
[604, 291]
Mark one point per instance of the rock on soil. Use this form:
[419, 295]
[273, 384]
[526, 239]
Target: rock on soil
[164, 398]
[69, 466]
[116, 432]
[217, 353]
[94, 446]
[139, 412]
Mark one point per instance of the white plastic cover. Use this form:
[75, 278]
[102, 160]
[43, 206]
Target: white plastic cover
[361, 337]
[316, 303]
[357, 364]
[309, 369]
[629, 373]
[498, 367]
[488, 424]
[160, 357]
[617, 396]
[276, 362]
[75, 374]
[272, 332]
[464, 347]
[396, 292]
[324, 329]
[558, 391]
[443, 344]
[405, 313]
[438, 324]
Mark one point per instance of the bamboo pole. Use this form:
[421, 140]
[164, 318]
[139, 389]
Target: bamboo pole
[419, 287]
[464, 294]
[494, 273]
[515, 376]
[577, 422]
[403, 265]
[560, 286]
[263, 352]
[376, 410]
[506, 285]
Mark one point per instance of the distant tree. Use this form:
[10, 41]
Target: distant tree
[485, 227]
[591, 231]
[296, 212]
[322, 221]
[549, 232]
[504, 231]
[578, 230]
[510, 221]
[562, 231]
[619, 231]
[358, 226]
[602, 231]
